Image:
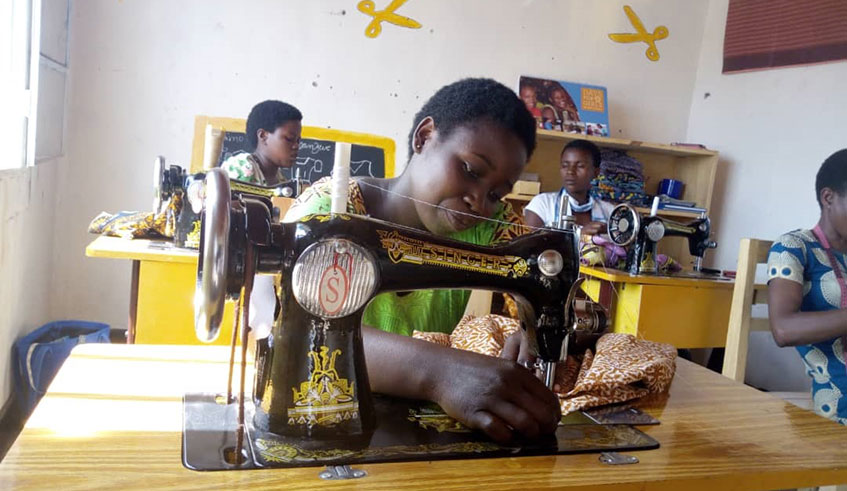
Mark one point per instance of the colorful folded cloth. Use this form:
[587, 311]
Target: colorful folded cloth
[621, 368]
[139, 225]
[621, 179]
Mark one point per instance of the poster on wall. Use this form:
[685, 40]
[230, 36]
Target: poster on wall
[776, 33]
[566, 106]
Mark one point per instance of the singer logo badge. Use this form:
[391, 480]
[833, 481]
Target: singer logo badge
[334, 289]
[407, 250]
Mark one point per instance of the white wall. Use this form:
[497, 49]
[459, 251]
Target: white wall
[26, 249]
[773, 129]
[144, 68]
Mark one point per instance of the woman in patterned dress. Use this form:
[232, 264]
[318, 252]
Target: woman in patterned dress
[468, 146]
[807, 291]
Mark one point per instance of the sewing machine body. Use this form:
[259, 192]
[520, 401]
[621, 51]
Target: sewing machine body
[643, 233]
[311, 392]
[171, 180]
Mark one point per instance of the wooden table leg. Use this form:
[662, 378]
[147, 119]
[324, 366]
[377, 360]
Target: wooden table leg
[133, 302]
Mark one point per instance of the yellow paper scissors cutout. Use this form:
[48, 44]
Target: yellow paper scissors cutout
[373, 30]
[641, 34]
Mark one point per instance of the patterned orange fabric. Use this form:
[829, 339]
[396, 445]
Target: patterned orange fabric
[622, 368]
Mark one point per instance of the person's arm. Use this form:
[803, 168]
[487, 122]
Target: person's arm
[790, 327]
[536, 210]
[531, 219]
[594, 228]
[490, 394]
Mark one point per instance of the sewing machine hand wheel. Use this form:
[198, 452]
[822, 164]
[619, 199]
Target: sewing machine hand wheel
[624, 224]
[220, 265]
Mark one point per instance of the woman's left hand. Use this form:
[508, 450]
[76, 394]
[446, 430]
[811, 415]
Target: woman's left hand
[594, 228]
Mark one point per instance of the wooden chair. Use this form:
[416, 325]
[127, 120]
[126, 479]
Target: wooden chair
[745, 295]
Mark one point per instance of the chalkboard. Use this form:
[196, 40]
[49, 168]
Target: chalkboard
[315, 157]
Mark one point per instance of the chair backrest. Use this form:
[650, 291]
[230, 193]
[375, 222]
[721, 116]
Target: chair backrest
[745, 294]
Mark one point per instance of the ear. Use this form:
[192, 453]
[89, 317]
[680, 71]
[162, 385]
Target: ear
[827, 197]
[424, 132]
[262, 136]
[596, 171]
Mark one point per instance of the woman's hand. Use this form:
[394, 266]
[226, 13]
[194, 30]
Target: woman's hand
[594, 228]
[494, 395]
[516, 348]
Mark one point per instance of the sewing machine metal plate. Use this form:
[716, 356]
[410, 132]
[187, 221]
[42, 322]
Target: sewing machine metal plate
[406, 430]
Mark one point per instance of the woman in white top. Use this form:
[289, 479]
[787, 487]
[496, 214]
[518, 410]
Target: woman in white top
[580, 163]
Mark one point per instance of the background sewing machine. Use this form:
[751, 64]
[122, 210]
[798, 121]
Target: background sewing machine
[170, 180]
[311, 401]
[642, 234]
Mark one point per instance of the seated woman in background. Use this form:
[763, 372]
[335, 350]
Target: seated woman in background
[580, 163]
[273, 132]
[807, 293]
[467, 147]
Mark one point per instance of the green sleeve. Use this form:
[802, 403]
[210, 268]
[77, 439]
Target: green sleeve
[314, 200]
[238, 167]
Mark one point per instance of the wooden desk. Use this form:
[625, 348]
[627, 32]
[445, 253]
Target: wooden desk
[685, 312]
[112, 419]
[161, 291]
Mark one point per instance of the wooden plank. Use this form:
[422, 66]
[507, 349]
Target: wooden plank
[119, 427]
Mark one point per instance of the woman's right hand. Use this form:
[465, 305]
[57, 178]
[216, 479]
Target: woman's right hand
[494, 395]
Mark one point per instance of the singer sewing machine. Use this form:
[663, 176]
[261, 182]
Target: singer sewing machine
[643, 233]
[172, 180]
[312, 403]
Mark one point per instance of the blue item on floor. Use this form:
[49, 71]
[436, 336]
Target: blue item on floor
[38, 356]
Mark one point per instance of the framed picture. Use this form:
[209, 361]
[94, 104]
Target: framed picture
[570, 107]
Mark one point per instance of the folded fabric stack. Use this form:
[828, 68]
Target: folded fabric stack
[621, 179]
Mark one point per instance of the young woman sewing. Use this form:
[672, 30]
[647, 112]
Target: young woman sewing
[467, 147]
[273, 132]
[580, 163]
[807, 291]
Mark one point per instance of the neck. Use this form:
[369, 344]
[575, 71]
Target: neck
[836, 240]
[268, 168]
[387, 203]
[580, 197]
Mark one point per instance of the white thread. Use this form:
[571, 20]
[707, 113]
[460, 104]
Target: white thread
[472, 215]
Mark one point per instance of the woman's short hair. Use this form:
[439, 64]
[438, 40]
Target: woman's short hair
[475, 99]
[832, 174]
[585, 146]
[268, 116]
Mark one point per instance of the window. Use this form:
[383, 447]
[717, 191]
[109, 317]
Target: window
[33, 73]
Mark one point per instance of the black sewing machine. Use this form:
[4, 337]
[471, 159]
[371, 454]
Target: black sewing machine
[642, 233]
[172, 180]
[312, 403]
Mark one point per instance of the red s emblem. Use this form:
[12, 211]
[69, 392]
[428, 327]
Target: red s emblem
[334, 288]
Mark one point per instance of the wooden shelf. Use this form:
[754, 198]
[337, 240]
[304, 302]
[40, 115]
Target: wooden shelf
[623, 144]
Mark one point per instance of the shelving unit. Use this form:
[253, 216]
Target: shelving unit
[694, 167]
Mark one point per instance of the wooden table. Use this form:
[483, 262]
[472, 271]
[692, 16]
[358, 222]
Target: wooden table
[112, 419]
[685, 312]
[161, 290]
